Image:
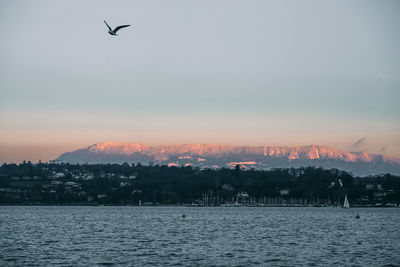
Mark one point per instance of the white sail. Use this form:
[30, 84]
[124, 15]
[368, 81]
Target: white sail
[346, 202]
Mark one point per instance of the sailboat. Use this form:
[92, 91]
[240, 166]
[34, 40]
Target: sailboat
[346, 204]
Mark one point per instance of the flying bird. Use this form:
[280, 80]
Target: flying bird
[114, 32]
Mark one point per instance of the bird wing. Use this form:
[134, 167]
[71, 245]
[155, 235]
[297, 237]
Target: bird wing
[120, 27]
[108, 26]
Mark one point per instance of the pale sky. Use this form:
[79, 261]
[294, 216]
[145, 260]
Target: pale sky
[227, 72]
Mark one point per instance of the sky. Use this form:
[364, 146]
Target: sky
[225, 72]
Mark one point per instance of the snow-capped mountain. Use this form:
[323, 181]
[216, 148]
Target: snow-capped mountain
[217, 156]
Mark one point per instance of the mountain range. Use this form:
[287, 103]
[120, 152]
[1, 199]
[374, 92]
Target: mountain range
[217, 156]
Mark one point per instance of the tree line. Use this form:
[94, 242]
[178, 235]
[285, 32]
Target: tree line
[134, 184]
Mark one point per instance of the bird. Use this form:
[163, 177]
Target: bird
[114, 32]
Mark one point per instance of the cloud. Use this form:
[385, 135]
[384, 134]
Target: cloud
[358, 143]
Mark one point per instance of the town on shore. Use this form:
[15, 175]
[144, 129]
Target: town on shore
[136, 184]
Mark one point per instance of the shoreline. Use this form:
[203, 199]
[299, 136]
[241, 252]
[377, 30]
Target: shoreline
[196, 206]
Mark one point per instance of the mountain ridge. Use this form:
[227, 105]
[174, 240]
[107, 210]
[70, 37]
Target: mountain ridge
[215, 156]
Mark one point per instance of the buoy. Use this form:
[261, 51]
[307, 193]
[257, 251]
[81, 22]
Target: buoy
[357, 216]
[183, 216]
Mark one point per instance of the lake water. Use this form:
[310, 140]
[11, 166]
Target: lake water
[217, 236]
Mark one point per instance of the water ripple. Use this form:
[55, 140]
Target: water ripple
[159, 236]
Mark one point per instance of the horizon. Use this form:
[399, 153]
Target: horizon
[226, 72]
